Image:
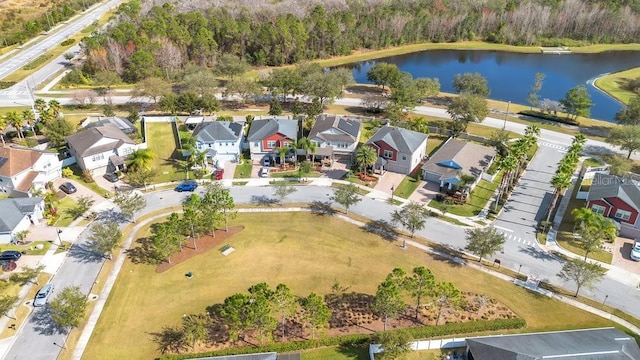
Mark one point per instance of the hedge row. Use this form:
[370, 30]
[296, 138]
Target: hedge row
[541, 115]
[38, 61]
[67, 42]
[6, 84]
[363, 339]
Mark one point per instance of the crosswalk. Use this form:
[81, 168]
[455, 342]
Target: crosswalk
[560, 148]
[510, 236]
[12, 92]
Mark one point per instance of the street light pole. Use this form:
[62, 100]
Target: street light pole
[59, 239]
[504, 125]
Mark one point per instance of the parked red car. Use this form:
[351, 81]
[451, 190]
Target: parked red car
[217, 174]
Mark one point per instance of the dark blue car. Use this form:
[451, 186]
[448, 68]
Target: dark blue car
[188, 185]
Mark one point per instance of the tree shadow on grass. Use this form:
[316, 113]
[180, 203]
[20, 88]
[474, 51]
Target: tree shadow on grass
[143, 253]
[383, 228]
[447, 254]
[322, 208]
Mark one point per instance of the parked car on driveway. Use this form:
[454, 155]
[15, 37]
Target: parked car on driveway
[217, 174]
[264, 172]
[43, 295]
[189, 185]
[111, 177]
[10, 255]
[68, 188]
[635, 250]
[266, 162]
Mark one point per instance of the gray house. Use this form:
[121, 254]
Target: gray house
[17, 215]
[454, 158]
[337, 134]
[591, 344]
[220, 139]
[399, 150]
[121, 123]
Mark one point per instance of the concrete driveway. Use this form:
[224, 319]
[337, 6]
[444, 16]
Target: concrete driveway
[389, 180]
[425, 192]
[82, 190]
[621, 250]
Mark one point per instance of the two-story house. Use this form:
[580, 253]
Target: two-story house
[101, 149]
[399, 150]
[16, 215]
[221, 140]
[267, 135]
[338, 134]
[23, 170]
[617, 198]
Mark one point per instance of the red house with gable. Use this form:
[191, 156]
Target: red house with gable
[617, 198]
[399, 150]
[267, 135]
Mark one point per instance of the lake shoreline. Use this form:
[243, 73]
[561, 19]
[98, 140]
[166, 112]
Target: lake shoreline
[608, 83]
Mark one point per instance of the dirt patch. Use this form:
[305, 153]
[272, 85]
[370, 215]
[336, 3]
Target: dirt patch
[202, 245]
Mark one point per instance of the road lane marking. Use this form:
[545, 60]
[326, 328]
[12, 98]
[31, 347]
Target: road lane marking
[504, 229]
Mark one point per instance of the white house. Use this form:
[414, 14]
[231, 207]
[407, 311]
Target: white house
[399, 150]
[17, 215]
[220, 139]
[23, 170]
[101, 149]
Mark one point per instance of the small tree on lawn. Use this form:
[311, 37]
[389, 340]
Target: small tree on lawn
[194, 329]
[420, 285]
[315, 312]
[223, 201]
[445, 294]
[68, 308]
[346, 196]
[28, 274]
[282, 189]
[582, 273]
[261, 310]
[105, 237]
[412, 217]
[84, 204]
[305, 167]
[235, 315]
[129, 203]
[6, 304]
[284, 304]
[395, 344]
[388, 302]
[484, 242]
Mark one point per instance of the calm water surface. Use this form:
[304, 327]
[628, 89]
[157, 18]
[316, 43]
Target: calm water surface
[510, 75]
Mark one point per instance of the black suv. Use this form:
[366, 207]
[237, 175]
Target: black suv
[10, 255]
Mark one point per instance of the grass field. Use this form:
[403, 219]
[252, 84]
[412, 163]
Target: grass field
[616, 84]
[478, 199]
[299, 250]
[64, 204]
[161, 141]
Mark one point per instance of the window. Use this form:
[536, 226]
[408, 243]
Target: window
[97, 157]
[404, 157]
[387, 154]
[622, 214]
[271, 144]
[256, 144]
[598, 209]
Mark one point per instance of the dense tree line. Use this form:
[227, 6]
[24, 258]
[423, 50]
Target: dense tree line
[149, 41]
[16, 28]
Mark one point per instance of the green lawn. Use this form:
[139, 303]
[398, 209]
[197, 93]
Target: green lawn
[161, 141]
[565, 236]
[29, 248]
[360, 190]
[616, 84]
[64, 204]
[77, 176]
[294, 174]
[478, 199]
[243, 170]
[434, 142]
[306, 253]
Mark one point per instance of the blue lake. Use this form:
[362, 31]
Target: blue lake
[510, 75]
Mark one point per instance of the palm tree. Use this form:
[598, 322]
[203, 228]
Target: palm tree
[14, 119]
[532, 131]
[29, 117]
[508, 164]
[561, 182]
[366, 156]
[283, 152]
[40, 105]
[582, 217]
[54, 106]
[308, 146]
[140, 159]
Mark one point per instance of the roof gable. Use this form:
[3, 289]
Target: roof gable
[455, 156]
[335, 128]
[14, 159]
[217, 131]
[403, 140]
[605, 186]
[450, 164]
[12, 211]
[263, 128]
[84, 142]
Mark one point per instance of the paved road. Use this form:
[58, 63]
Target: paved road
[20, 92]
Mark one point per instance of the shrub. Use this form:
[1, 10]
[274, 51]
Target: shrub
[37, 62]
[67, 172]
[6, 84]
[540, 115]
[67, 42]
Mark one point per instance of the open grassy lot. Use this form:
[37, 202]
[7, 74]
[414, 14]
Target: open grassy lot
[616, 84]
[478, 199]
[303, 252]
[161, 141]
[63, 205]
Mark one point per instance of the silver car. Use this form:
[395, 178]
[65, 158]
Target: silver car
[635, 250]
[43, 295]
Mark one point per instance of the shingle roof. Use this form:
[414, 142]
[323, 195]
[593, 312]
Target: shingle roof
[608, 186]
[264, 128]
[592, 344]
[12, 211]
[347, 130]
[403, 140]
[14, 160]
[83, 141]
[217, 130]
[121, 123]
[457, 156]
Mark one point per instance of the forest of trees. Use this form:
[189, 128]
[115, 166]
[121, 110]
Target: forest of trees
[154, 39]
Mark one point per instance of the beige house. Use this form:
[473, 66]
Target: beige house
[23, 170]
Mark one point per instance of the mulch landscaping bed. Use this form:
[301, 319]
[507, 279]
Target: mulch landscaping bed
[204, 244]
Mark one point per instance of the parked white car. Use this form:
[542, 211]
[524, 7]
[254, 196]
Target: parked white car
[264, 172]
[635, 250]
[43, 295]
